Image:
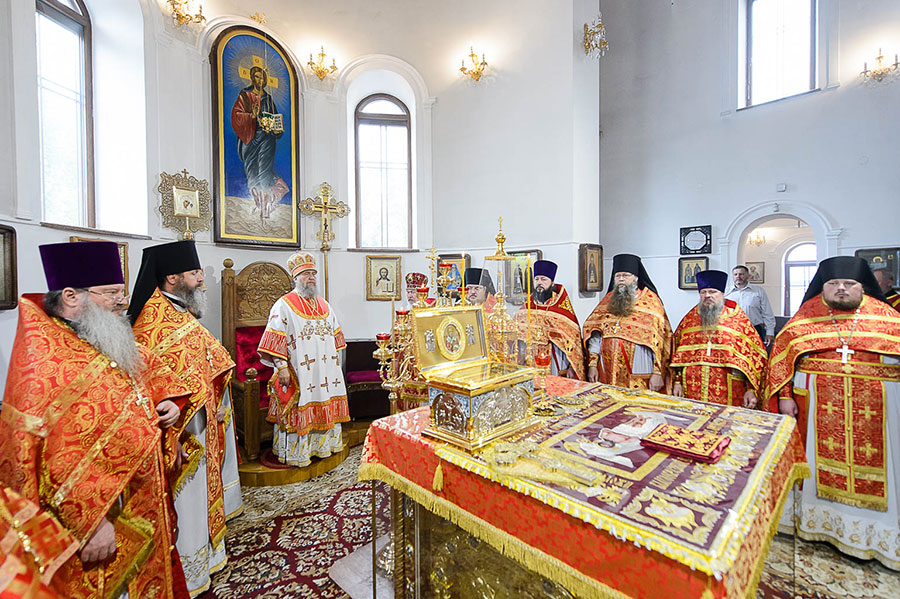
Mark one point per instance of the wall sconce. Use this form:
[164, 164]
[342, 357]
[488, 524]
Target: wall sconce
[595, 43]
[756, 238]
[477, 69]
[181, 12]
[319, 67]
[880, 72]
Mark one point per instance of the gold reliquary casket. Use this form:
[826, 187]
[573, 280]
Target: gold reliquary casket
[473, 400]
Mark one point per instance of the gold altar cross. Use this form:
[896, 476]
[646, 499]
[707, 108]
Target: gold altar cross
[326, 208]
[432, 261]
[845, 352]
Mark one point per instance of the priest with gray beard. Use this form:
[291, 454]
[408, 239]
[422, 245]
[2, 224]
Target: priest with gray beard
[719, 356]
[80, 427]
[628, 336]
[169, 298]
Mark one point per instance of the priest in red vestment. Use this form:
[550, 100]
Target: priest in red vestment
[628, 336]
[718, 356]
[835, 366]
[886, 283]
[169, 299]
[81, 424]
[548, 317]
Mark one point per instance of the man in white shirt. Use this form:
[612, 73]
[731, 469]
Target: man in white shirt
[754, 302]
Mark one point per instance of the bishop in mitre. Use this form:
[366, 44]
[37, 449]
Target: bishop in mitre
[302, 342]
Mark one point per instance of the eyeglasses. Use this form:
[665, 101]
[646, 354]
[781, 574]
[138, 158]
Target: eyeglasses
[111, 295]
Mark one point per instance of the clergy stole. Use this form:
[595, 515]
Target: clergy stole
[849, 417]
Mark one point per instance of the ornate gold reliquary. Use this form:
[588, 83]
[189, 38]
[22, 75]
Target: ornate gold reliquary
[473, 400]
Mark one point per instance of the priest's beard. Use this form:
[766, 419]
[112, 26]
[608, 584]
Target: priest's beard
[195, 300]
[846, 303]
[542, 296]
[622, 301]
[110, 334]
[306, 290]
[709, 314]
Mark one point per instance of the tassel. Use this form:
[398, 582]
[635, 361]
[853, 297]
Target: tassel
[438, 483]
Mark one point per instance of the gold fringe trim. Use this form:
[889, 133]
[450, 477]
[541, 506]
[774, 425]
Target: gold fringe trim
[190, 469]
[145, 527]
[438, 483]
[798, 472]
[534, 559]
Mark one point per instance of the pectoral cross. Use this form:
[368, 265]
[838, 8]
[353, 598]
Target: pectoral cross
[616, 329]
[708, 347]
[327, 210]
[845, 352]
[143, 401]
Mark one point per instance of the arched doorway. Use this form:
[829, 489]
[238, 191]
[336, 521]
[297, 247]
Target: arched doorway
[763, 247]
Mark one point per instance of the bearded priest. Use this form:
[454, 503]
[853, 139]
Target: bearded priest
[719, 356]
[628, 336]
[83, 414]
[552, 319]
[169, 299]
[835, 366]
[303, 341]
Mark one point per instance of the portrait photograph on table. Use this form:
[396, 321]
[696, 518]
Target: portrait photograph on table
[382, 278]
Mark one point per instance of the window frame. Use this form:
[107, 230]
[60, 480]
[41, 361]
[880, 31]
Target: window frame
[66, 17]
[748, 58]
[786, 308]
[380, 119]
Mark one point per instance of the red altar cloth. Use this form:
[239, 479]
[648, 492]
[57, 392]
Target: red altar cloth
[546, 530]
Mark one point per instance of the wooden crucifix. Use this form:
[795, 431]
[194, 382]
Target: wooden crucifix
[326, 208]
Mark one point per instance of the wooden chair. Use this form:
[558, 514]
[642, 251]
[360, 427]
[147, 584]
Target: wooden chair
[247, 298]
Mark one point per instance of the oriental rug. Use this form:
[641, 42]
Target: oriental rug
[289, 536]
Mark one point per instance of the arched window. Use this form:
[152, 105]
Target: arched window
[799, 268]
[65, 111]
[383, 174]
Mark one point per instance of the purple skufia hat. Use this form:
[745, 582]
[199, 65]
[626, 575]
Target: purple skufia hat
[712, 278]
[545, 268]
[81, 264]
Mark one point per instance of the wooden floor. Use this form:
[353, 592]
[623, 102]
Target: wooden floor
[254, 474]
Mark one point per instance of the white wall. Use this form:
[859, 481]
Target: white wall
[671, 158]
[521, 144]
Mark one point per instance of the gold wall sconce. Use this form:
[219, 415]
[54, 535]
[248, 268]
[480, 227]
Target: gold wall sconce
[756, 238]
[181, 12]
[881, 70]
[595, 43]
[318, 67]
[477, 69]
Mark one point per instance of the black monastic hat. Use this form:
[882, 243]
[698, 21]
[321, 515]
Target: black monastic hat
[480, 276]
[712, 278]
[157, 262]
[80, 264]
[630, 263]
[844, 267]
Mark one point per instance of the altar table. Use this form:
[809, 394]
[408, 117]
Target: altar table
[598, 518]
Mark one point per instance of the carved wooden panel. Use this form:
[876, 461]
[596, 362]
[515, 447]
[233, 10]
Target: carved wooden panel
[257, 287]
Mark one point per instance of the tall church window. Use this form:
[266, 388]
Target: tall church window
[63, 29]
[799, 269]
[383, 175]
[781, 49]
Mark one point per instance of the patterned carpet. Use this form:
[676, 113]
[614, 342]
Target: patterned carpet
[288, 537]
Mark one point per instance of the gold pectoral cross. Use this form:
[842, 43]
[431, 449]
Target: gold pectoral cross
[144, 402]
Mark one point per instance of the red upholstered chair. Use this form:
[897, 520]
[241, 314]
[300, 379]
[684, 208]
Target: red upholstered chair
[247, 298]
[365, 396]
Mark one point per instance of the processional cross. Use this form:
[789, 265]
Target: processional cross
[327, 209]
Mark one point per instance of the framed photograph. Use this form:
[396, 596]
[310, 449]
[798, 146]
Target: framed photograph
[123, 255]
[878, 258]
[256, 140]
[757, 272]
[383, 278]
[521, 274]
[9, 287]
[459, 263]
[688, 269]
[590, 267]
[696, 240]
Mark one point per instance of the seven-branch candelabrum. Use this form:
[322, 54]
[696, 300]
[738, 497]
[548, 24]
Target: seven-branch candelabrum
[396, 359]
